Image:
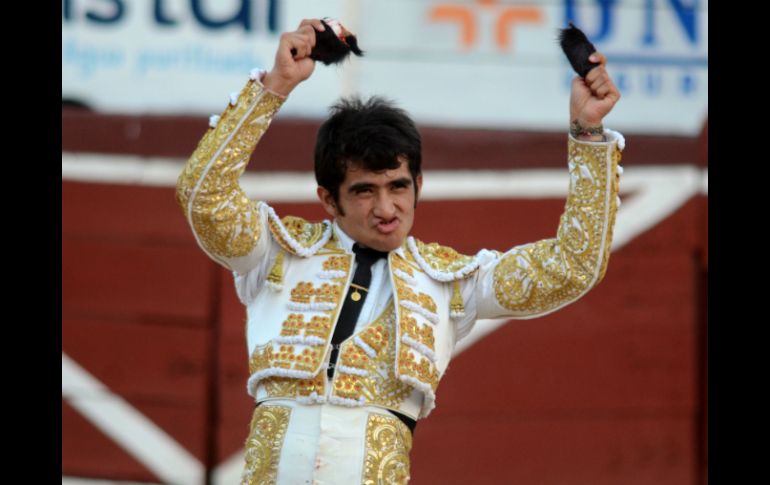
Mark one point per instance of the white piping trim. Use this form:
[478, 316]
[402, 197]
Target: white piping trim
[620, 170]
[311, 340]
[405, 276]
[351, 370]
[456, 314]
[618, 136]
[321, 306]
[417, 308]
[342, 401]
[234, 98]
[213, 120]
[274, 286]
[256, 73]
[298, 248]
[419, 347]
[443, 276]
[332, 274]
[365, 347]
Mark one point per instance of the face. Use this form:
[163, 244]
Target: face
[378, 206]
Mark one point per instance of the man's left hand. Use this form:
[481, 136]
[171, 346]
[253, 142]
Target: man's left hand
[594, 96]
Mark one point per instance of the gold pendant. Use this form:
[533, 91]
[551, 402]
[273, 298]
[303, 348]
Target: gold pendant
[355, 296]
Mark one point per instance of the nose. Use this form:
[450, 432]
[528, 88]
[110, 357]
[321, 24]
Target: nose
[384, 206]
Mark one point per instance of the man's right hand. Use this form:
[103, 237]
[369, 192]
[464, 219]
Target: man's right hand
[288, 71]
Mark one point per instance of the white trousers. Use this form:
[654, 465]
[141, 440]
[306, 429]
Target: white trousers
[292, 443]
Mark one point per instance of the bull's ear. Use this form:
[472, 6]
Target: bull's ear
[577, 48]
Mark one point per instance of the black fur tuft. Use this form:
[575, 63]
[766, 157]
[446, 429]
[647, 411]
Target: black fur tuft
[577, 48]
[329, 49]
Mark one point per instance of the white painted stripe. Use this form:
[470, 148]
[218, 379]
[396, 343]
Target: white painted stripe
[127, 427]
[301, 186]
[229, 471]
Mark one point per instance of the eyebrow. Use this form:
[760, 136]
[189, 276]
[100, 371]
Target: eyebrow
[401, 182]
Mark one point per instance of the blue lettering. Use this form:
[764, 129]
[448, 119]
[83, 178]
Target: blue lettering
[272, 16]
[160, 17]
[621, 82]
[119, 9]
[688, 84]
[605, 25]
[66, 10]
[243, 16]
[653, 83]
[685, 15]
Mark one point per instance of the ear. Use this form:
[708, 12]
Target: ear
[327, 201]
[419, 185]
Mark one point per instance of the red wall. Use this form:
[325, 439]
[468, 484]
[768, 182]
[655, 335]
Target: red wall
[608, 390]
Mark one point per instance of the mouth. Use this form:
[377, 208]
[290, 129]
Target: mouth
[387, 227]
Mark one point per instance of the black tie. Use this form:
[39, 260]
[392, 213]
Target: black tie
[351, 308]
[354, 301]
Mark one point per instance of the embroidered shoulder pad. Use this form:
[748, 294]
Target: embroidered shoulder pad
[442, 263]
[298, 236]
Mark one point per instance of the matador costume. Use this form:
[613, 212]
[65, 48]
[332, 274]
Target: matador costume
[292, 275]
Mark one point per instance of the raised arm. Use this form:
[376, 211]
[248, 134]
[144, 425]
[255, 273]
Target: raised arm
[538, 278]
[229, 226]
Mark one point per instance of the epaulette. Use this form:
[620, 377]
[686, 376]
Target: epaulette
[298, 236]
[442, 263]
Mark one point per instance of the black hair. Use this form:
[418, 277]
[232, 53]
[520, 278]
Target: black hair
[372, 134]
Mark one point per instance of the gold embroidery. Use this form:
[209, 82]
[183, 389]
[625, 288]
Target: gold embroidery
[304, 233]
[285, 358]
[379, 386]
[337, 263]
[420, 333]
[302, 292]
[327, 292]
[263, 446]
[388, 443]
[442, 258]
[423, 371]
[405, 292]
[276, 273]
[286, 386]
[456, 303]
[318, 326]
[401, 264]
[536, 277]
[225, 220]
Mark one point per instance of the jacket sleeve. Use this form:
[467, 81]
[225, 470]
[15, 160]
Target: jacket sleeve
[227, 225]
[538, 278]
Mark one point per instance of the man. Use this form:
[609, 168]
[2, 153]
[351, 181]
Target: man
[352, 322]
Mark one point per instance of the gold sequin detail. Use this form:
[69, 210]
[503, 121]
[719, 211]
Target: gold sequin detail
[299, 357]
[304, 233]
[405, 292]
[536, 277]
[423, 369]
[380, 386]
[225, 220]
[388, 443]
[276, 273]
[420, 333]
[305, 291]
[442, 258]
[337, 263]
[263, 446]
[289, 387]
